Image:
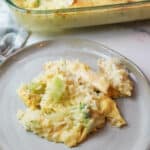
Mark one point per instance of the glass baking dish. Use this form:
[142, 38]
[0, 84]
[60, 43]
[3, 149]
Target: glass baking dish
[51, 20]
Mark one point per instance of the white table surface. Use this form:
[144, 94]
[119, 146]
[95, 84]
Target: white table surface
[130, 39]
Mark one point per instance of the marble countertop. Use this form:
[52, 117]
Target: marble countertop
[130, 39]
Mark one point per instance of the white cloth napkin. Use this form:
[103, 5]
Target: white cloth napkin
[12, 37]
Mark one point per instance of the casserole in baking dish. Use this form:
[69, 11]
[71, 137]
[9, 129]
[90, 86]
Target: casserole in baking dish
[41, 16]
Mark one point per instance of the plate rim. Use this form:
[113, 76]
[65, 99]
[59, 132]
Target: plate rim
[110, 50]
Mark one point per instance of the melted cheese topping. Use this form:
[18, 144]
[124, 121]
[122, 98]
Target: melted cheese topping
[69, 100]
[44, 4]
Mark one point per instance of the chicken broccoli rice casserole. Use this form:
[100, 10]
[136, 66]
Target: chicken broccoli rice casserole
[68, 100]
[58, 4]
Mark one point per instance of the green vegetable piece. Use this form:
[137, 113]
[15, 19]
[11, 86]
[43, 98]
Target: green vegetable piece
[86, 119]
[82, 106]
[33, 3]
[35, 124]
[32, 124]
[37, 3]
[56, 88]
[36, 87]
[86, 115]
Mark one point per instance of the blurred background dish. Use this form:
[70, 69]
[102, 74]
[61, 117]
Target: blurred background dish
[79, 16]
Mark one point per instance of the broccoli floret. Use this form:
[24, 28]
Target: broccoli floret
[55, 89]
[36, 87]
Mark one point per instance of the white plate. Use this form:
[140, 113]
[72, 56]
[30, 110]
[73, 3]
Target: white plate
[23, 66]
